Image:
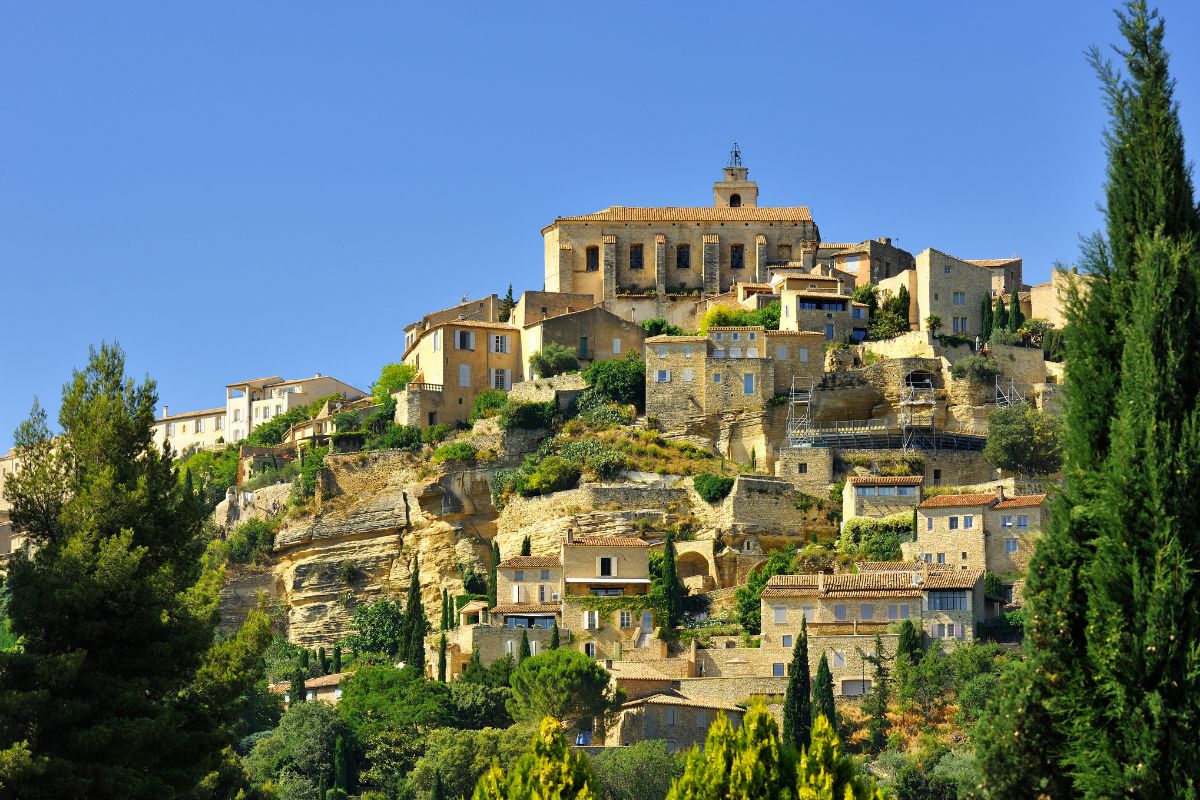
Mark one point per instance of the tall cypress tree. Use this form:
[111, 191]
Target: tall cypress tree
[672, 586]
[1000, 315]
[797, 702]
[118, 689]
[322, 661]
[1107, 700]
[336, 664]
[985, 317]
[554, 636]
[875, 704]
[492, 575]
[445, 623]
[341, 766]
[441, 673]
[526, 546]
[1015, 317]
[436, 790]
[296, 692]
[524, 652]
[822, 702]
[415, 624]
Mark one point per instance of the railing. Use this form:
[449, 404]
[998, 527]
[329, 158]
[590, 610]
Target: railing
[424, 387]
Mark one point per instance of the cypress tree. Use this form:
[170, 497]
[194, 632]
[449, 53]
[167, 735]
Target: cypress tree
[296, 692]
[412, 637]
[908, 641]
[672, 586]
[492, 575]
[797, 703]
[322, 661]
[985, 317]
[1015, 317]
[524, 652]
[337, 659]
[1107, 699]
[526, 547]
[876, 703]
[441, 673]
[304, 660]
[341, 769]
[1000, 315]
[822, 698]
[445, 623]
[436, 790]
[554, 636]
[121, 688]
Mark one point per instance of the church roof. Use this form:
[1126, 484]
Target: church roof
[693, 214]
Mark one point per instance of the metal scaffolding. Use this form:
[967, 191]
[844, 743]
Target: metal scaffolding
[918, 413]
[1010, 394]
[799, 421]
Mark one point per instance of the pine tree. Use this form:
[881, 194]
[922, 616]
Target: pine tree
[672, 586]
[797, 703]
[441, 673]
[526, 546]
[822, 702]
[445, 623]
[1015, 317]
[875, 704]
[999, 315]
[336, 665]
[120, 688]
[985, 319]
[524, 652]
[296, 692]
[492, 575]
[1105, 702]
[415, 624]
[549, 770]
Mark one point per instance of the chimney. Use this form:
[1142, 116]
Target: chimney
[1000, 493]
[166, 411]
[570, 535]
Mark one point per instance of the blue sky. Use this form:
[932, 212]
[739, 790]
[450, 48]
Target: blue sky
[235, 190]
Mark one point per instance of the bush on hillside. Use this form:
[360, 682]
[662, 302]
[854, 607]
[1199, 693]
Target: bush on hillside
[712, 487]
[621, 381]
[527, 416]
[660, 327]
[553, 359]
[455, 451]
[436, 433]
[552, 474]
[975, 368]
[488, 404]
[867, 539]
[250, 542]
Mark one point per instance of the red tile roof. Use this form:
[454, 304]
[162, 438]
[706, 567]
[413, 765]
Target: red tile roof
[526, 608]
[957, 500]
[188, 414]
[992, 262]
[608, 541]
[517, 562]
[1022, 501]
[952, 579]
[886, 480]
[694, 214]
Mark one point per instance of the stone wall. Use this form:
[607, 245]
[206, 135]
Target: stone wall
[809, 469]
[732, 689]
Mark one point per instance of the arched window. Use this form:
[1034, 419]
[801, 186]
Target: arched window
[735, 200]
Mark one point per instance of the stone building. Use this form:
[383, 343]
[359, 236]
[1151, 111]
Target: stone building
[1007, 274]
[868, 262]
[676, 251]
[813, 303]
[728, 369]
[1048, 300]
[326, 688]
[606, 585]
[671, 717]
[949, 287]
[528, 592]
[486, 309]
[533, 306]
[981, 531]
[844, 612]
[880, 496]
[454, 362]
[593, 333]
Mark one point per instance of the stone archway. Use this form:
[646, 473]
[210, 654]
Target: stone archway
[695, 565]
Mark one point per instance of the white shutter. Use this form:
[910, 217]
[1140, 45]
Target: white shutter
[507, 378]
[585, 621]
[464, 375]
[517, 593]
[616, 347]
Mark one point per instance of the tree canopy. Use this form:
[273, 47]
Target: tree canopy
[563, 684]
[1024, 439]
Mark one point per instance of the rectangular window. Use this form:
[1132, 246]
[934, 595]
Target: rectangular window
[839, 659]
[501, 379]
[716, 377]
[464, 374]
[802, 469]
[803, 352]
[516, 594]
[519, 575]
[464, 340]
[954, 523]
[946, 270]
[780, 615]
[687, 351]
[635, 257]
[257, 413]
[810, 614]
[948, 601]
[200, 426]
[929, 523]
[777, 671]
[607, 567]
[541, 592]
[781, 353]
[593, 258]
[867, 612]
[887, 491]
[735, 352]
[545, 575]
[170, 429]
[960, 298]
[829, 332]
[1006, 521]
[839, 612]
[1010, 546]
[589, 649]
[672, 716]
[437, 340]
[500, 343]
[616, 347]
[751, 352]
[683, 256]
[220, 423]
[786, 640]
[626, 619]
[591, 620]
[941, 558]
[687, 376]
[748, 383]
[701, 719]
[968, 521]
[1022, 521]
[662, 376]
[906, 491]
[899, 611]
[737, 256]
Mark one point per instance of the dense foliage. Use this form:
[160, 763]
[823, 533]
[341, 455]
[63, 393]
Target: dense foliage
[553, 359]
[621, 381]
[657, 326]
[712, 488]
[1024, 439]
[870, 539]
[725, 316]
[564, 684]
[392, 378]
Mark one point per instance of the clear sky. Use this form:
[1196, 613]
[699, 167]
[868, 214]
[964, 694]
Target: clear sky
[276, 188]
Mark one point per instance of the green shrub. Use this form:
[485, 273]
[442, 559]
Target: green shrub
[621, 380]
[250, 542]
[867, 539]
[396, 437]
[553, 359]
[593, 455]
[1005, 336]
[502, 483]
[712, 487]
[487, 404]
[436, 433]
[527, 416]
[596, 410]
[310, 470]
[346, 422]
[887, 325]
[660, 327]
[552, 474]
[455, 451]
[975, 368]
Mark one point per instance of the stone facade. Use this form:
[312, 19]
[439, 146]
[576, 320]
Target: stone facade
[807, 305]
[593, 333]
[534, 306]
[867, 262]
[880, 496]
[462, 358]
[1048, 300]
[678, 721]
[810, 469]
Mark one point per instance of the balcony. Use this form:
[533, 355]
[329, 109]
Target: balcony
[423, 387]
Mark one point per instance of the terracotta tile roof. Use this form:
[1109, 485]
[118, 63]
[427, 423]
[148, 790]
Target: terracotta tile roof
[693, 214]
[473, 323]
[321, 682]
[724, 328]
[675, 699]
[186, 414]
[771, 334]
[1022, 501]
[516, 562]
[837, 245]
[952, 579]
[846, 584]
[993, 262]
[608, 541]
[636, 671]
[665, 339]
[956, 500]
[884, 566]
[886, 480]
[526, 608]
[474, 605]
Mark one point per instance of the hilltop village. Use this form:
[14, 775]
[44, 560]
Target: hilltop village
[798, 426]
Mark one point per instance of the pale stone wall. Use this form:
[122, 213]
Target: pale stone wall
[843, 654]
[810, 469]
[833, 325]
[732, 690]
[535, 306]
[199, 430]
[936, 289]
[680, 727]
[1048, 300]
[594, 334]
[999, 560]
[1025, 365]
[536, 585]
[612, 640]
[961, 547]
[914, 344]
[439, 360]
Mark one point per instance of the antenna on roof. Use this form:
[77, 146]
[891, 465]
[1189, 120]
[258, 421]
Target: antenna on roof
[735, 156]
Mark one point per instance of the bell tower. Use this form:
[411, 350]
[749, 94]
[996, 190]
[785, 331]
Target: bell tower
[735, 189]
